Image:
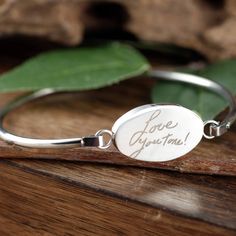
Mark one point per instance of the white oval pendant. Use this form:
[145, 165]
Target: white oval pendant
[157, 132]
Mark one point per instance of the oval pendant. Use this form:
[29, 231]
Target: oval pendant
[157, 132]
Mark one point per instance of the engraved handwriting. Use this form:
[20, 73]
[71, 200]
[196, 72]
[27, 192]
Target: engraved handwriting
[152, 126]
[156, 127]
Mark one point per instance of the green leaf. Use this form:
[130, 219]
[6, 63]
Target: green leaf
[204, 102]
[76, 69]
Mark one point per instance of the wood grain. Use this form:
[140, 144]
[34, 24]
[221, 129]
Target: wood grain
[71, 198]
[78, 114]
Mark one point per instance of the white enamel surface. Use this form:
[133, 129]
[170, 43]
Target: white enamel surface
[157, 132]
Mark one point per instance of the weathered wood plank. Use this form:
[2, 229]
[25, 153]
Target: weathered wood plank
[63, 198]
[78, 114]
[68, 196]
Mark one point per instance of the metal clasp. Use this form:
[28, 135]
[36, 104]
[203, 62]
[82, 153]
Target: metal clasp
[92, 141]
[101, 133]
[215, 128]
[213, 125]
[98, 140]
[218, 130]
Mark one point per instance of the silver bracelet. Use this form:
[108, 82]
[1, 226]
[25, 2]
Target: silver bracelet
[153, 132]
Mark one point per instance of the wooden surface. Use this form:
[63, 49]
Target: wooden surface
[70, 197]
[79, 114]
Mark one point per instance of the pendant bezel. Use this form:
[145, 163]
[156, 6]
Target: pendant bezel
[136, 114]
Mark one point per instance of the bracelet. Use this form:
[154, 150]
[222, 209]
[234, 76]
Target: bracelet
[153, 132]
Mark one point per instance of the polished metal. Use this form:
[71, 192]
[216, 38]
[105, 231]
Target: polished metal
[89, 141]
[210, 123]
[216, 128]
[157, 132]
[102, 133]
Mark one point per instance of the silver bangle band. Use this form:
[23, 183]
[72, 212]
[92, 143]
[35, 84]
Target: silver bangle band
[149, 119]
[95, 141]
[215, 129]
